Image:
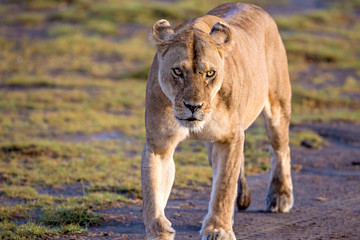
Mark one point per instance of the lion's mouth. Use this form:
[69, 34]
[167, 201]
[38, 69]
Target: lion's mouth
[192, 123]
[190, 119]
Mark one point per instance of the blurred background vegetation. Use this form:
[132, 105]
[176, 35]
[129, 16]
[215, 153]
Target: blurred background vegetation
[72, 91]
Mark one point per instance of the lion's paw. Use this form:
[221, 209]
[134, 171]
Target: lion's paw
[279, 202]
[218, 234]
[161, 230]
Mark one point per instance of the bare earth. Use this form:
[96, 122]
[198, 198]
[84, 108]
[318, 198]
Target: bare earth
[326, 189]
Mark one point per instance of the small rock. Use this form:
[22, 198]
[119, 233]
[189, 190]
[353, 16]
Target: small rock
[189, 205]
[297, 167]
[108, 234]
[192, 204]
[321, 199]
[307, 144]
[124, 236]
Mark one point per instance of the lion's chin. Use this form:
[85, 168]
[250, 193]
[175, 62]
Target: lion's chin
[192, 124]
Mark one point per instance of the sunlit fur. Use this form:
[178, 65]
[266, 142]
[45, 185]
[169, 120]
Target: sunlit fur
[241, 44]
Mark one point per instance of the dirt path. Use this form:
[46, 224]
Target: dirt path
[326, 191]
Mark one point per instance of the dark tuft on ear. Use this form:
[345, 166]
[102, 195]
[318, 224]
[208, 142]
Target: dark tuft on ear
[221, 33]
[161, 32]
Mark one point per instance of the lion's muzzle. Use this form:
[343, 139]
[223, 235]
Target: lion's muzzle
[191, 115]
[193, 107]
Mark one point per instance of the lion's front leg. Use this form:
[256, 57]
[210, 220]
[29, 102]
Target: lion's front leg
[157, 171]
[226, 160]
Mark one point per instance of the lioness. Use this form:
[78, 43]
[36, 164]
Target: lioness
[211, 78]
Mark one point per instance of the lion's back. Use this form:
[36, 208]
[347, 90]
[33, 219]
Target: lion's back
[247, 17]
[260, 47]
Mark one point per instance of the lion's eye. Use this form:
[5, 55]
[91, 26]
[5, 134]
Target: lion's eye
[210, 74]
[177, 72]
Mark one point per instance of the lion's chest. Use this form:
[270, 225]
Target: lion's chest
[219, 128]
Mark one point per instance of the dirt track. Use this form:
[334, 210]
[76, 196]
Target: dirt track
[326, 190]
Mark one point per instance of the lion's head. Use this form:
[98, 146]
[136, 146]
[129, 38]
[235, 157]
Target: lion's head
[191, 68]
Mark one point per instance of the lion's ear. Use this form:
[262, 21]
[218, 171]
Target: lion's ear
[161, 32]
[221, 33]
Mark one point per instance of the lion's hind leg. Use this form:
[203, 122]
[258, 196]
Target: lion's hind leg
[277, 117]
[243, 198]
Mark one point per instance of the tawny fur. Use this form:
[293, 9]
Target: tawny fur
[241, 44]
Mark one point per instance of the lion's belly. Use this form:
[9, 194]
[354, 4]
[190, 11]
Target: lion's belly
[255, 105]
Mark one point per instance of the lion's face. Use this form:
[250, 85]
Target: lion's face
[190, 74]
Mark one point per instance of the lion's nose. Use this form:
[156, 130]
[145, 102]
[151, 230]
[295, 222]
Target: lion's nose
[193, 108]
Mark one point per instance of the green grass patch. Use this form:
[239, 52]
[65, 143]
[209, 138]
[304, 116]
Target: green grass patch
[139, 12]
[32, 230]
[63, 30]
[256, 150]
[5, 213]
[72, 14]
[324, 105]
[302, 49]
[324, 98]
[2, 9]
[101, 199]
[299, 138]
[66, 216]
[351, 85]
[27, 19]
[42, 4]
[326, 115]
[24, 231]
[323, 33]
[59, 111]
[101, 164]
[345, 5]
[102, 27]
[194, 177]
[22, 192]
[315, 20]
[38, 149]
[27, 82]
